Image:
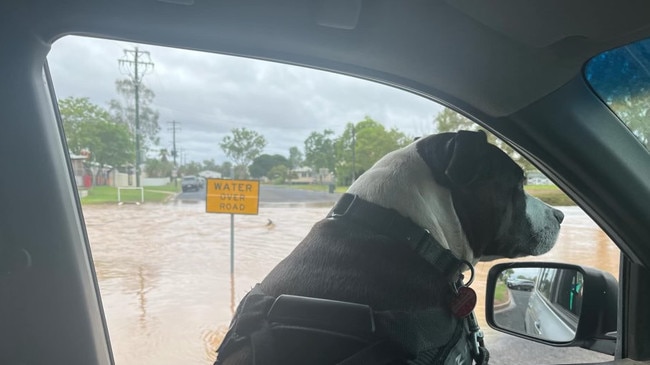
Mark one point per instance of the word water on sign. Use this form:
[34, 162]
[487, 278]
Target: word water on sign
[232, 196]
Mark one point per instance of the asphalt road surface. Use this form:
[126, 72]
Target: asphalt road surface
[512, 317]
[275, 194]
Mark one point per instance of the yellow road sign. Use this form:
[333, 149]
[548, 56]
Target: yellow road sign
[232, 196]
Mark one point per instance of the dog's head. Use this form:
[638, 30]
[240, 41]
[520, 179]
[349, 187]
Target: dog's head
[467, 192]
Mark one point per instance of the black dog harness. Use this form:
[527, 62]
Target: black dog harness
[301, 330]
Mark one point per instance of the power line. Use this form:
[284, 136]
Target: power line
[132, 65]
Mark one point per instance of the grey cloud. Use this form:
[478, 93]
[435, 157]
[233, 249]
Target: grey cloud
[211, 94]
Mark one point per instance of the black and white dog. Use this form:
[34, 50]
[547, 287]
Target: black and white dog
[396, 244]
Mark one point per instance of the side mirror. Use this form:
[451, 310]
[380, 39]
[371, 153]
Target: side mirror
[555, 304]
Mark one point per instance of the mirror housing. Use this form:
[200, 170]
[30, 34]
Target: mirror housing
[588, 314]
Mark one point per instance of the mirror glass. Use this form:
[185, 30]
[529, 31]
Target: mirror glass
[544, 303]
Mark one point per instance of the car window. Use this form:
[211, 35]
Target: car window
[622, 79]
[163, 267]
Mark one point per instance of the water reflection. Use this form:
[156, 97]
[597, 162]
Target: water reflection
[164, 270]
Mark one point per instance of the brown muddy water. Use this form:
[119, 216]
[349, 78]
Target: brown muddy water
[164, 270]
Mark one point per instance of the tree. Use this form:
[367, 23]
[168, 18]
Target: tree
[450, 121]
[108, 142]
[295, 158]
[210, 165]
[163, 153]
[124, 111]
[192, 168]
[90, 127]
[264, 163]
[242, 148]
[319, 150]
[158, 168]
[77, 113]
[278, 174]
[371, 142]
[226, 169]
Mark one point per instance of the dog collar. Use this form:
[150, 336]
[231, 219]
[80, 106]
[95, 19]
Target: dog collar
[391, 223]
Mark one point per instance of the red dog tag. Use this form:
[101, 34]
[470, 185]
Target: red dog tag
[464, 302]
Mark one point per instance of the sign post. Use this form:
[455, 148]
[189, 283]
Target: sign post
[232, 197]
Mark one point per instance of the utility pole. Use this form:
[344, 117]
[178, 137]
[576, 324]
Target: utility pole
[174, 127]
[133, 65]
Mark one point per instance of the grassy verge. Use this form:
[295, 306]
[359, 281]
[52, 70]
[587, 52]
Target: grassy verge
[550, 194]
[500, 293]
[108, 194]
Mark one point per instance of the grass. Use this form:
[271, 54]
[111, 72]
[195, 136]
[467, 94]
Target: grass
[108, 194]
[500, 293]
[549, 194]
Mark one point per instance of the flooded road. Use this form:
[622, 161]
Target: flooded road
[164, 271]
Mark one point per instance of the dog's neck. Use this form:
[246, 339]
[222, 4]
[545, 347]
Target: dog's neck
[414, 194]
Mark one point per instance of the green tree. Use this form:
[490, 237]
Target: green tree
[319, 150]
[226, 169]
[371, 142]
[295, 158]
[163, 153]
[210, 165]
[278, 174]
[77, 113]
[109, 143]
[124, 111]
[191, 168]
[90, 127]
[158, 168]
[264, 163]
[450, 121]
[242, 148]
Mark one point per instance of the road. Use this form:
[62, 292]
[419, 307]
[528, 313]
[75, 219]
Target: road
[513, 316]
[270, 194]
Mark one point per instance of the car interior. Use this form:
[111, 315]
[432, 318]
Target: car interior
[515, 68]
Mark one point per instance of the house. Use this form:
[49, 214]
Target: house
[78, 167]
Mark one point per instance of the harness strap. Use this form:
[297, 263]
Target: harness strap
[391, 223]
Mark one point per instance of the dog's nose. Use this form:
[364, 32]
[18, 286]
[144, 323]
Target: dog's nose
[558, 215]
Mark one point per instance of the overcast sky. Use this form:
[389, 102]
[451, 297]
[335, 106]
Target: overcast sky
[211, 94]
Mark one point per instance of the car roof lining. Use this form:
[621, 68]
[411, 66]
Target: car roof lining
[511, 64]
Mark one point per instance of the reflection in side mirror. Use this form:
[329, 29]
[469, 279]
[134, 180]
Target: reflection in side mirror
[552, 303]
[540, 302]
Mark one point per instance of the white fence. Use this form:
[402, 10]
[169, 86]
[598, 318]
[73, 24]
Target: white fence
[120, 179]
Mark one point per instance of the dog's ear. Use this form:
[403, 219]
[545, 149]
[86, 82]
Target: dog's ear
[467, 157]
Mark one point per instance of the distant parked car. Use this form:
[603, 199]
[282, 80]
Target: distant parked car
[190, 183]
[201, 182]
[520, 284]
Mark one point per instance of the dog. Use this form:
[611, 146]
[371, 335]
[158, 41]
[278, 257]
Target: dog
[460, 195]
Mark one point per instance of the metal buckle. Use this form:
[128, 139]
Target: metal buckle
[335, 214]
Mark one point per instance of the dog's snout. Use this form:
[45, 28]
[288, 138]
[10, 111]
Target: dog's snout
[558, 215]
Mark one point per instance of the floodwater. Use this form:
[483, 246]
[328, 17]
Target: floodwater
[164, 270]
